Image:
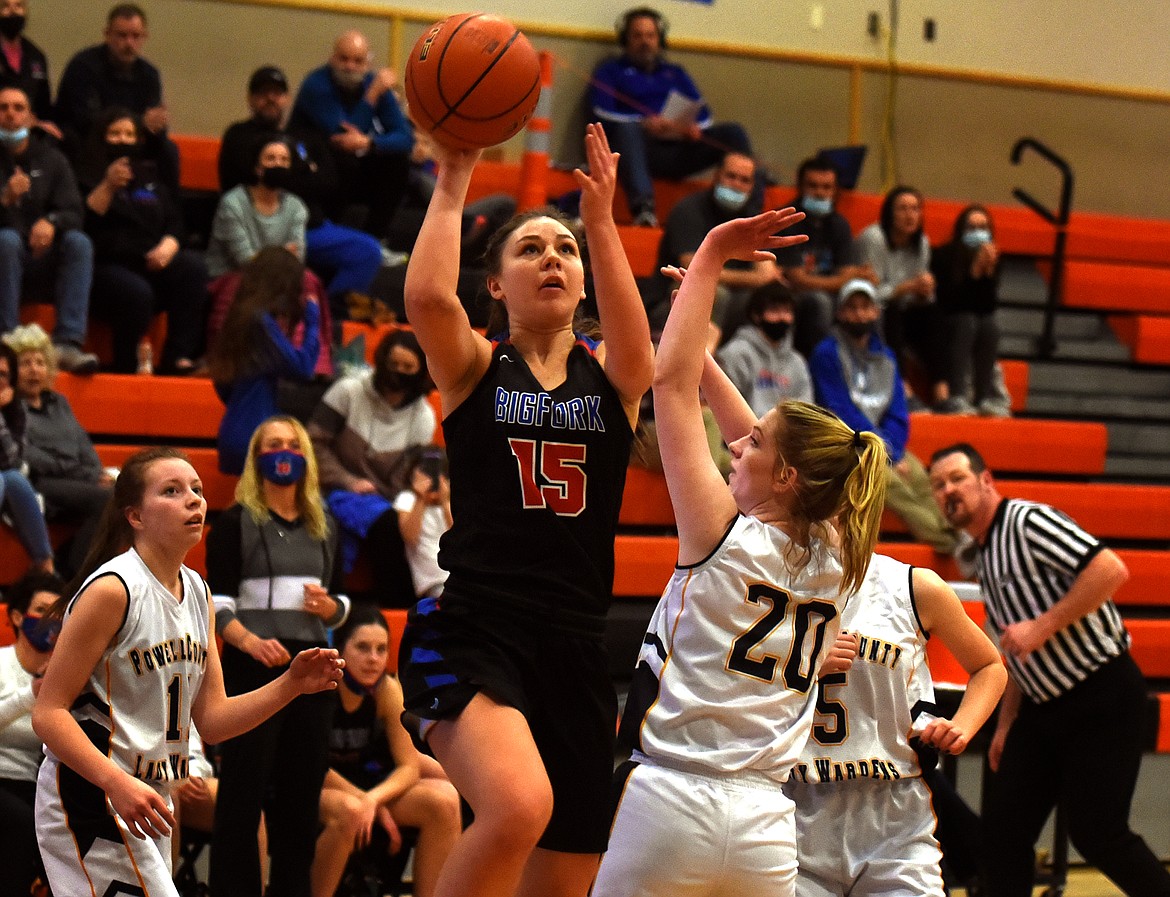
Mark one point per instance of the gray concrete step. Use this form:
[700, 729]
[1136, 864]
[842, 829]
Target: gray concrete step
[1103, 380]
[1020, 282]
[1073, 406]
[1029, 322]
[1100, 350]
[1147, 468]
[1140, 438]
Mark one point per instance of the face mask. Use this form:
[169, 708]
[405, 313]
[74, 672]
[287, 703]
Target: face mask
[856, 329]
[115, 151]
[976, 237]
[729, 199]
[395, 381]
[282, 468]
[41, 633]
[11, 26]
[816, 206]
[13, 137]
[276, 176]
[775, 330]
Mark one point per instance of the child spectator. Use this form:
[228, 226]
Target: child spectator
[424, 514]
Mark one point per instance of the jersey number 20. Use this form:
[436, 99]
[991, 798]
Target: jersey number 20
[552, 475]
[808, 619]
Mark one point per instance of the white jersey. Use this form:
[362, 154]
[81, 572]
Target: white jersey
[726, 676]
[864, 716]
[136, 706]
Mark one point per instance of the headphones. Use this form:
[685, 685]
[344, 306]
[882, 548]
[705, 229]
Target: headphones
[621, 26]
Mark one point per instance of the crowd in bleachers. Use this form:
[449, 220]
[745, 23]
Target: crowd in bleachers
[322, 197]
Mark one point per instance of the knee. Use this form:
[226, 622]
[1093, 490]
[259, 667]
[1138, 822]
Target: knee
[347, 816]
[440, 804]
[77, 246]
[11, 243]
[522, 812]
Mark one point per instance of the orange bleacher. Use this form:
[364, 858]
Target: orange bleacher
[1147, 336]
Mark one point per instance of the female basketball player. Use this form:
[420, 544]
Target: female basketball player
[858, 774]
[724, 692]
[508, 669]
[134, 663]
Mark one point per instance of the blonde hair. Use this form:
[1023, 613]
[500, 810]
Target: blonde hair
[841, 479]
[250, 488]
[32, 338]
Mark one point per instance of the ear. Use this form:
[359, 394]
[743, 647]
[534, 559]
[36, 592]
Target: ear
[784, 480]
[494, 289]
[134, 518]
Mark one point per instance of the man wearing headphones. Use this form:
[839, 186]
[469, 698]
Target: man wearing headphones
[654, 115]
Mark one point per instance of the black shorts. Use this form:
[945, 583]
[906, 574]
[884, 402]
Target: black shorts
[557, 680]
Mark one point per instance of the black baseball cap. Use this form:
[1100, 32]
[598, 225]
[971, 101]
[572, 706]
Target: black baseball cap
[265, 77]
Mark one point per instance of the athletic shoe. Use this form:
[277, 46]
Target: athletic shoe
[71, 358]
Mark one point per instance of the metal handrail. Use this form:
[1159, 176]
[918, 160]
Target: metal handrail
[1046, 344]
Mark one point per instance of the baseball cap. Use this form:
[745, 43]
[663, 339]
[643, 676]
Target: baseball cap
[856, 285]
[267, 76]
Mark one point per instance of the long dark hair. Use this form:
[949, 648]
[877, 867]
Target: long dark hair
[93, 159]
[407, 340]
[886, 216]
[114, 534]
[961, 254]
[271, 282]
[363, 613]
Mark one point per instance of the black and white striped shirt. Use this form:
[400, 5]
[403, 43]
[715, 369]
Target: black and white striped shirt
[1029, 559]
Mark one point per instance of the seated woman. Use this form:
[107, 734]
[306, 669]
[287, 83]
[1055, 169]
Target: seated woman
[21, 666]
[18, 499]
[377, 781]
[140, 267]
[360, 430]
[62, 463]
[256, 349]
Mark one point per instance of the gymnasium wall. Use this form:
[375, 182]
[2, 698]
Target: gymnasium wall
[951, 137]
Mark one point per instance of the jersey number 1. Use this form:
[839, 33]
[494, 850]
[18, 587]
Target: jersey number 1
[809, 617]
[561, 467]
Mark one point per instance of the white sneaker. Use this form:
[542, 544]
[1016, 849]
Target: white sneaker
[73, 359]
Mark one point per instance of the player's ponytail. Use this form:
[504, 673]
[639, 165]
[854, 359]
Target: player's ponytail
[114, 533]
[840, 479]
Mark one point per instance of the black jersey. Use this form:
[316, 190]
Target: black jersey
[537, 478]
[357, 744]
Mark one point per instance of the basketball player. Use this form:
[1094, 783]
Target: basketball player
[134, 663]
[724, 691]
[508, 669]
[863, 814]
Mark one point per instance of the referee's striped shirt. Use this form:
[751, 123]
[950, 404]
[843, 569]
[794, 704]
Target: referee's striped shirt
[1029, 559]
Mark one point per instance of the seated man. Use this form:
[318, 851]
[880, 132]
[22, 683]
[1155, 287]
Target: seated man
[654, 115]
[40, 231]
[24, 63]
[354, 109]
[345, 258]
[733, 194]
[114, 73]
[760, 359]
[856, 376]
[819, 268]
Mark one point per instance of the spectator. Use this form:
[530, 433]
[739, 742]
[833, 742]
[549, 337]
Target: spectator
[732, 195]
[256, 348]
[818, 269]
[23, 62]
[140, 267]
[424, 514]
[355, 109]
[654, 115]
[21, 666]
[377, 781]
[760, 360]
[62, 463]
[1075, 699]
[114, 73]
[966, 274]
[856, 376]
[346, 258]
[18, 500]
[40, 235]
[361, 430]
[897, 251]
[274, 578]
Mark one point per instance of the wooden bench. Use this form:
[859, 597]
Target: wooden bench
[1107, 510]
[1147, 336]
[1016, 444]
[1115, 287]
[170, 408]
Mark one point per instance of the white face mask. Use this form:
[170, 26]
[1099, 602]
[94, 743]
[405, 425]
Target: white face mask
[729, 198]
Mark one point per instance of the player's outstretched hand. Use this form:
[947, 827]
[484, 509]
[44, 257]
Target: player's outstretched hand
[946, 736]
[140, 807]
[316, 669]
[597, 187]
[841, 655]
[749, 239]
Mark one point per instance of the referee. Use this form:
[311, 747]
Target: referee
[1071, 720]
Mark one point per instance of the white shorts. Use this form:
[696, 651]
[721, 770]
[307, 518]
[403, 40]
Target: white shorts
[684, 835]
[88, 850]
[866, 838]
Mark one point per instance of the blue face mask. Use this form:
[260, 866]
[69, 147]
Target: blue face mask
[18, 136]
[40, 633]
[816, 206]
[729, 199]
[282, 468]
[976, 237]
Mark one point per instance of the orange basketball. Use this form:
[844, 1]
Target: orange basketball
[472, 80]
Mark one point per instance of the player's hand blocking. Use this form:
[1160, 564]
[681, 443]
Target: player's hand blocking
[316, 669]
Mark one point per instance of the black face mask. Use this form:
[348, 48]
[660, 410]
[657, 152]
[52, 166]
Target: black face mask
[11, 26]
[856, 329]
[276, 176]
[115, 151]
[395, 381]
[775, 330]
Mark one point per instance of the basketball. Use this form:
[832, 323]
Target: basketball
[472, 80]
